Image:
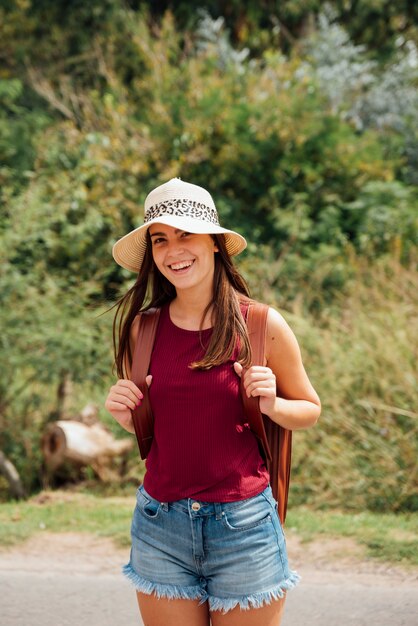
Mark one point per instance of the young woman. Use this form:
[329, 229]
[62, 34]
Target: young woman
[207, 544]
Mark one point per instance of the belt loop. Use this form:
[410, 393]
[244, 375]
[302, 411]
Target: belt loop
[218, 509]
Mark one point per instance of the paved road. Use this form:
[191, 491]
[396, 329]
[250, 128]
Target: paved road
[72, 579]
[91, 599]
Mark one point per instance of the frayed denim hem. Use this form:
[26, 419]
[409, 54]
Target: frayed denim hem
[256, 600]
[161, 590]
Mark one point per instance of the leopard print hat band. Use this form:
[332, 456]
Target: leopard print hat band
[181, 205]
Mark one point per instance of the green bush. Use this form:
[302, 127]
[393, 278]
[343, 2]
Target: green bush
[89, 126]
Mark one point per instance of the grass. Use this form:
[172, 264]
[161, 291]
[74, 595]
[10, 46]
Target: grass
[361, 357]
[386, 536]
[66, 512]
[389, 537]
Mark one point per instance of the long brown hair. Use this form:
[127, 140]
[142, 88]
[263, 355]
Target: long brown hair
[152, 288]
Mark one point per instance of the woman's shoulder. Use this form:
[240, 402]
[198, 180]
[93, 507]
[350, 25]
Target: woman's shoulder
[274, 317]
[277, 325]
[280, 338]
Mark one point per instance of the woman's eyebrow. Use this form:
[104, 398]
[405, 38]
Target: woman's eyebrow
[178, 230]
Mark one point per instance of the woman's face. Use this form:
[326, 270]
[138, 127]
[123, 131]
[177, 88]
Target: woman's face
[186, 259]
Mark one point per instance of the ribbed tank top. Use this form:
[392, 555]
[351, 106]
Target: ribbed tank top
[202, 447]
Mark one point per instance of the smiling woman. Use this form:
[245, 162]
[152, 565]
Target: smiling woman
[186, 259]
[207, 542]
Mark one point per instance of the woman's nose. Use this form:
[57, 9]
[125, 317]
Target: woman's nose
[175, 247]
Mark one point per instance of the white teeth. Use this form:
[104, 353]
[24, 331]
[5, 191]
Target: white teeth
[181, 265]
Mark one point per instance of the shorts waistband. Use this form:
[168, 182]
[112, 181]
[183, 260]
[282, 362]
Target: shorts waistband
[202, 508]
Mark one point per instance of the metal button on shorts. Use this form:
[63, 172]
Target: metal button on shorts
[195, 506]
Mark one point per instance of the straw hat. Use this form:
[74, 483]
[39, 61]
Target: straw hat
[181, 205]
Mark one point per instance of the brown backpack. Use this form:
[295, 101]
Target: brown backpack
[275, 442]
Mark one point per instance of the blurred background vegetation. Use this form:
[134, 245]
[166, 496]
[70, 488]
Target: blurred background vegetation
[301, 118]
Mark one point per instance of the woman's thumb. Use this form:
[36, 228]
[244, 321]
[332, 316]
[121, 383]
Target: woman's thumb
[238, 368]
[148, 380]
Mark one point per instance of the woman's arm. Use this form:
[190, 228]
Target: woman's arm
[286, 393]
[124, 396]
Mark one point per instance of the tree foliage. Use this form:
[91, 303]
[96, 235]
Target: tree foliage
[304, 135]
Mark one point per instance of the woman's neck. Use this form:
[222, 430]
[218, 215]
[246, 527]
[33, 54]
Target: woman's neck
[186, 311]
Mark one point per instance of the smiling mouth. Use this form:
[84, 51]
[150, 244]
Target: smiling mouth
[182, 265]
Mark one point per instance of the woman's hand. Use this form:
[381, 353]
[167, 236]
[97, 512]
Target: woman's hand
[259, 381]
[122, 399]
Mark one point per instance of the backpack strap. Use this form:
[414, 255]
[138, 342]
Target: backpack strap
[142, 416]
[256, 318]
[275, 442]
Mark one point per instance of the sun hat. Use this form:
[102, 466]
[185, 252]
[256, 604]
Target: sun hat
[181, 205]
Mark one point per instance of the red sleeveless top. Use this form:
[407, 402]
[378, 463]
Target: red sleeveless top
[202, 447]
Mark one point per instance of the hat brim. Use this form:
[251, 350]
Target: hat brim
[129, 250]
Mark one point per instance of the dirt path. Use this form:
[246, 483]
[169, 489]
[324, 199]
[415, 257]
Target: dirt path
[74, 579]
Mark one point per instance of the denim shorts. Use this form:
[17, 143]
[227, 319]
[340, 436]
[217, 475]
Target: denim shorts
[228, 553]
